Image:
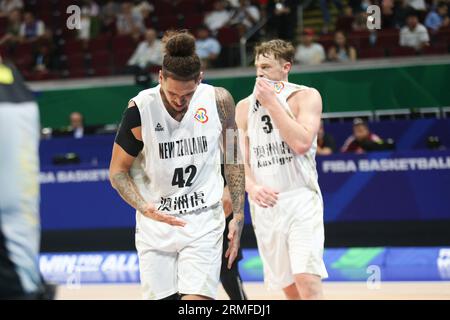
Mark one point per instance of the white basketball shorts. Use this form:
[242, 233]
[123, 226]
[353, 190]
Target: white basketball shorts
[290, 237]
[181, 259]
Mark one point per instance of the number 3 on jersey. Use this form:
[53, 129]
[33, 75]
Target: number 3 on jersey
[268, 127]
[178, 176]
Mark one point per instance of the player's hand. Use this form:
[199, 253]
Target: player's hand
[154, 214]
[234, 236]
[263, 196]
[265, 93]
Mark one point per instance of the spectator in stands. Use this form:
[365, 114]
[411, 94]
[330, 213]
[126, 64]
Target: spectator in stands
[42, 59]
[218, 17]
[345, 22]
[207, 47]
[341, 51]
[144, 8]
[149, 52]
[233, 3]
[326, 13]
[12, 35]
[325, 142]
[245, 16]
[438, 18]
[309, 52]
[108, 15]
[8, 6]
[31, 29]
[91, 7]
[414, 34]
[360, 22]
[366, 3]
[84, 33]
[362, 139]
[130, 23]
[76, 125]
[387, 14]
[401, 11]
[90, 20]
[283, 19]
[77, 128]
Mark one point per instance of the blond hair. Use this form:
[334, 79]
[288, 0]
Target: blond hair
[280, 49]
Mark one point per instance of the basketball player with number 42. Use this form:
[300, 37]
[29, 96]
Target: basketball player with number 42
[166, 163]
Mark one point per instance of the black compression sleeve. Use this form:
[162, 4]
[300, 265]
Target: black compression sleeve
[125, 138]
[223, 175]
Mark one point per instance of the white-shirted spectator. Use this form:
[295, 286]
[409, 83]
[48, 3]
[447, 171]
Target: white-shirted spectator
[90, 12]
[31, 28]
[84, 32]
[414, 34]
[217, 18]
[246, 14]
[309, 52]
[207, 47]
[233, 3]
[144, 8]
[148, 52]
[91, 8]
[130, 22]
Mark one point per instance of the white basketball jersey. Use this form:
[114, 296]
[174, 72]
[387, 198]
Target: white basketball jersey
[179, 167]
[271, 160]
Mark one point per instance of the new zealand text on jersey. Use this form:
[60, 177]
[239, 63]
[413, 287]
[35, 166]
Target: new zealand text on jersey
[183, 147]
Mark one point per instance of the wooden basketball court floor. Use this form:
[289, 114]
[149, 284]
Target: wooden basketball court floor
[256, 291]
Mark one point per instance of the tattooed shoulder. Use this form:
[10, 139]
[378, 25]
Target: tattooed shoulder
[225, 107]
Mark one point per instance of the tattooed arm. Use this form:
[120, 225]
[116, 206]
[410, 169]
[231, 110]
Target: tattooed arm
[120, 179]
[234, 171]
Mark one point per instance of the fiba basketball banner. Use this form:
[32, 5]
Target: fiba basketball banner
[386, 186]
[379, 186]
[370, 264]
[349, 264]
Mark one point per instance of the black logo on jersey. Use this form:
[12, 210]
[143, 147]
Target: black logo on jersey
[159, 127]
[256, 106]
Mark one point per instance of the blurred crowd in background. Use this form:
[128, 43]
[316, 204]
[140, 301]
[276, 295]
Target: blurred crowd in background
[119, 37]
